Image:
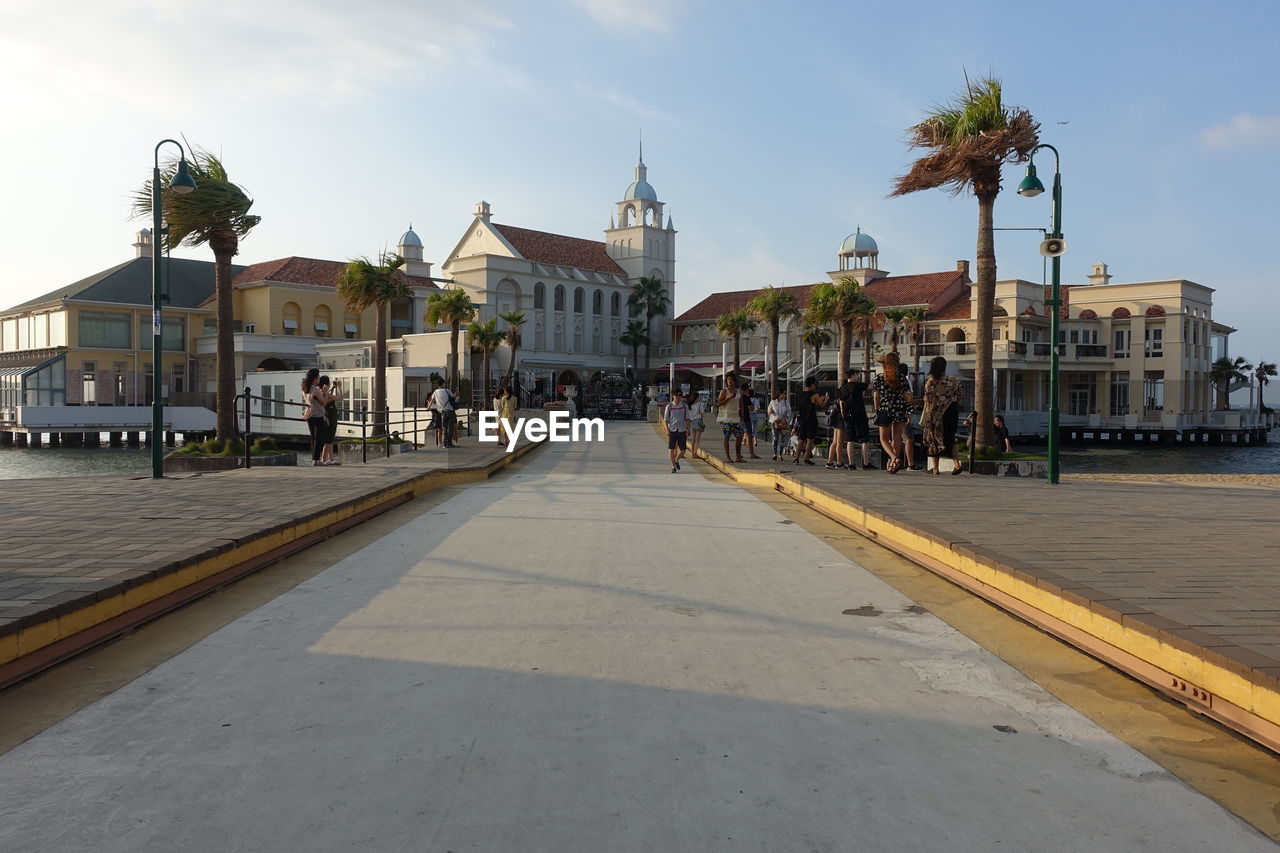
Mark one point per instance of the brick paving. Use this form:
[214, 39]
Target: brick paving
[1200, 565]
[70, 541]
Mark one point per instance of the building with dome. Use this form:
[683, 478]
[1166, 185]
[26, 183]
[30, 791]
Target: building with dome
[573, 290]
[1135, 357]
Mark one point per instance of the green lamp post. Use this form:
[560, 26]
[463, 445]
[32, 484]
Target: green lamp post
[1053, 247]
[181, 183]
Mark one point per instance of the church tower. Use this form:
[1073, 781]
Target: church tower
[643, 245]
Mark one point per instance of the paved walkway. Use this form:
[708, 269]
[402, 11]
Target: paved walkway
[72, 543]
[1181, 576]
[592, 654]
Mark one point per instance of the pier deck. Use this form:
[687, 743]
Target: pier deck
[85, 558]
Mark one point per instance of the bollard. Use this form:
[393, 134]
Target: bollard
[248, 454]
[386, 427]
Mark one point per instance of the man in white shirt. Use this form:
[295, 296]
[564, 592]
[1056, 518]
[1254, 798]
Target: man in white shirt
[675, 417]
[729, 416]
[442, 402]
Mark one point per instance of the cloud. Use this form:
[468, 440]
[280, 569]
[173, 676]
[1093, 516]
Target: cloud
[619, 106]
[653, 15]
[1243, 131]
[140, 53]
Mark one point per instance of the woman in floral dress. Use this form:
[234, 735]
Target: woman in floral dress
[941, 415]
[893, 410]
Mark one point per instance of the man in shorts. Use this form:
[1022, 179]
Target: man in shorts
[730, 416]
[675, 417]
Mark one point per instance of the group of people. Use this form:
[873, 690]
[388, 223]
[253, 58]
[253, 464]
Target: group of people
[893, 402]
[321, 398]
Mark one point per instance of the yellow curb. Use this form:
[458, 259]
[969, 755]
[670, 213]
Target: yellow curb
[33, 638]
[1203, 685]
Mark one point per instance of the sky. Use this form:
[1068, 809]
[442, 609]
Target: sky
[771, 130]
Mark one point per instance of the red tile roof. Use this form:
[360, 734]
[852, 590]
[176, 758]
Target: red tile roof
[1155, 310]
[544, 248]
[889, 292]
[1064, 293]
[1088, 314]
[956, 309]
[296, 270]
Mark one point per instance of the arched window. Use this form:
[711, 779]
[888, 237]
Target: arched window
[539, 296]
[290, 317]
[508, 296]
[559, 297]
[351, 325]
[323, 321]
[579, 298]
[597, 302]
[614, 302]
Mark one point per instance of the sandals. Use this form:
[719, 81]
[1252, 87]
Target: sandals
[894, 466]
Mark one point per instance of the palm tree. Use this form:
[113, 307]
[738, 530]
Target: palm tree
[1263, 373]
[450, 306]
[866, 320]
[968, 140]
[817, 337]
[634, 337]
[841, 304]
[514, 321]
[915, 318]
[363, 284]
[648, 297]
[734, 325]
[217, 213]
[893, 320]
[772, 305]
[1223, 372]
[486, 337]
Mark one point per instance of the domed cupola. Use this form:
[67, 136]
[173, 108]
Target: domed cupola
[640, 205]
[859, 251]
[410, 249]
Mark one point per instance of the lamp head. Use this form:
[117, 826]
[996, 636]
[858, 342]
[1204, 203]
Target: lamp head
[1031, 185]
[182, 182]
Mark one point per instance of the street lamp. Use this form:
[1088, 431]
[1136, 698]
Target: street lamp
[1053, 247]
[181, 183]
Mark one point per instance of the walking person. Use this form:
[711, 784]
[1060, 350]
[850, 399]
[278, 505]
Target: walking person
[442, 402]
[333, 394]
[807, 421]
[729, 416]
[697, 424]
[436, 426]
[853, 414]
[779, 423]
[889, 395]
[314, 398]
[748, 405]
[675, 418]
[509, 404]
[941, 415]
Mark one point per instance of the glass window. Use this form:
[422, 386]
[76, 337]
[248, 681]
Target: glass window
[40, 331]
[88, 384]
[101, 329]
[173, 334]
[1154, 341]
[539, 295]
[58, 329]
[9, 335]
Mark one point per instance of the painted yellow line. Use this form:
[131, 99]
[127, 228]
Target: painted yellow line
[1235, 696]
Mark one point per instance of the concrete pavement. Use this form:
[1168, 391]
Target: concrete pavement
[591, 654]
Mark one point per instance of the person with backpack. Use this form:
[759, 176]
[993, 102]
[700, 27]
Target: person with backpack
[675, 419]
[446, 404]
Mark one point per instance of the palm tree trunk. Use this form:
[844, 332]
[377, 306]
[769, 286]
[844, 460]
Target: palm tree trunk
[379, 369]
[985, 287]
[485, 364]
[915, 375]
[648, 344]
[453, 352]
[866, 357]
[773, 359]
[846, 347]
[737, 354]
[511, 370]
[224, 245]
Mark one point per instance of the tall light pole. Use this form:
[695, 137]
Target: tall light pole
[1054, 247]
[181, 183]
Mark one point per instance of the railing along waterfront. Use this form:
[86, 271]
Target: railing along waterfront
[402, 418]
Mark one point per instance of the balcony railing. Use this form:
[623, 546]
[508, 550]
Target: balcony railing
[1040, 350]
[1091, 351]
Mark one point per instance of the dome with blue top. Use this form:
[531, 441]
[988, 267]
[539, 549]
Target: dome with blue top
[859, 244]
[641, 189]
[409, 238]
